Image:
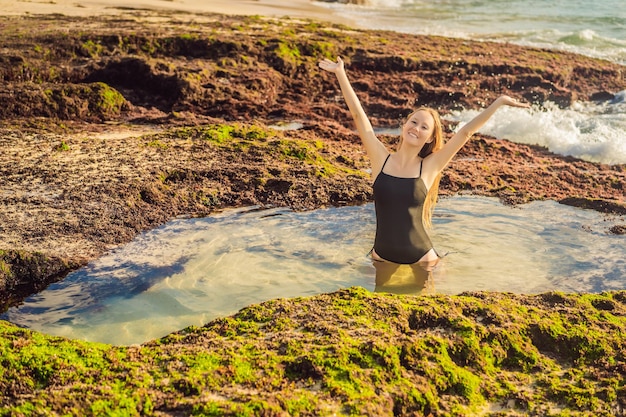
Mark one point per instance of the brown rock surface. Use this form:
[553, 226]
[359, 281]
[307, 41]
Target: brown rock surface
[99, 139]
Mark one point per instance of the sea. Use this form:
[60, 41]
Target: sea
[593, 131]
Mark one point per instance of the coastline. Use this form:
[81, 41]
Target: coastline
[126, 93]
[92, 158]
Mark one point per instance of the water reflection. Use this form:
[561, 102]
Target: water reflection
[411, 279]
[403, 279]
[191, 271]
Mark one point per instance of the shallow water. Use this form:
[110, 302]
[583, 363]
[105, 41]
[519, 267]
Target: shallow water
[587, 27]
[193, 270]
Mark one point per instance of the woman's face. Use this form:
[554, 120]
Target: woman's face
[418, 129]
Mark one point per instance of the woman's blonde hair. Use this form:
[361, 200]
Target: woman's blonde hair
[428, 148]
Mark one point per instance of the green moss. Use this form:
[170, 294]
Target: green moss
[288, 52]
[237, 135]
[308, 152]
[330, 354]
[109, 99]
[252, 138]
[156, 143]
[323, 49]
[63, 147]
[299, 149]
[302, 403]
[209, 409]
[188, 36]
[150, 46]
[4, 268]
[91, 48]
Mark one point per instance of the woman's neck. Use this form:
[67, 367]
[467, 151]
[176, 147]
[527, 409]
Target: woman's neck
[406, 156]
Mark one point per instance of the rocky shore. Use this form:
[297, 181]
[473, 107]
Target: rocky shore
[112, 126]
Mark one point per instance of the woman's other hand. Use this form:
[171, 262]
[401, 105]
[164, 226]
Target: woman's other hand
[331, 66]
[510, 101]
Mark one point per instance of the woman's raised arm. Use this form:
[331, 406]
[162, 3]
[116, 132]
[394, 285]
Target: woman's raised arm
[440, 159]
[376, 150]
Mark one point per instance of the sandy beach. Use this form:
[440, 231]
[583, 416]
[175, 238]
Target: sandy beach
[273, 8]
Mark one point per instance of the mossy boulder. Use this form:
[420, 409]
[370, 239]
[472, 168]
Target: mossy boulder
[90, 101]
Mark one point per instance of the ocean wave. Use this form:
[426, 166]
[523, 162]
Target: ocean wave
[584, 42]
[586, 130]
[581, 27]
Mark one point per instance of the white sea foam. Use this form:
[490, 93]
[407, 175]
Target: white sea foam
[590, 131]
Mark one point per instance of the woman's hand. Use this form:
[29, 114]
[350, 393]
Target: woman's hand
[331, 66]
[509, 101]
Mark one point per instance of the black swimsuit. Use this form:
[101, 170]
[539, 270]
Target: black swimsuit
[400, 233]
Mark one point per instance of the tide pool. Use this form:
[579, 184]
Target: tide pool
[190, 271]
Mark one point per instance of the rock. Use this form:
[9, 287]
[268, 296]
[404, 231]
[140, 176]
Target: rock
[23, 273]
[602, 96]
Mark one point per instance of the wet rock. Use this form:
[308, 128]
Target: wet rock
[602, 96]
[143, 84]
[90, 102]
[601, 205]
[24, 273]
[619, 229]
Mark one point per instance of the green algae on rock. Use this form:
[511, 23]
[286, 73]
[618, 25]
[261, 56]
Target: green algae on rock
[351, 352]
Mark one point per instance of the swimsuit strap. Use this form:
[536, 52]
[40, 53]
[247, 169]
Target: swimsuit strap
[387, 158]
[385, 163]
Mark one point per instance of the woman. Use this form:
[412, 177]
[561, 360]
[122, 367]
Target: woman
[406, 183]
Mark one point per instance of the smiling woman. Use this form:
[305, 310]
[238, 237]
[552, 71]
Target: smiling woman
[406, 183]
